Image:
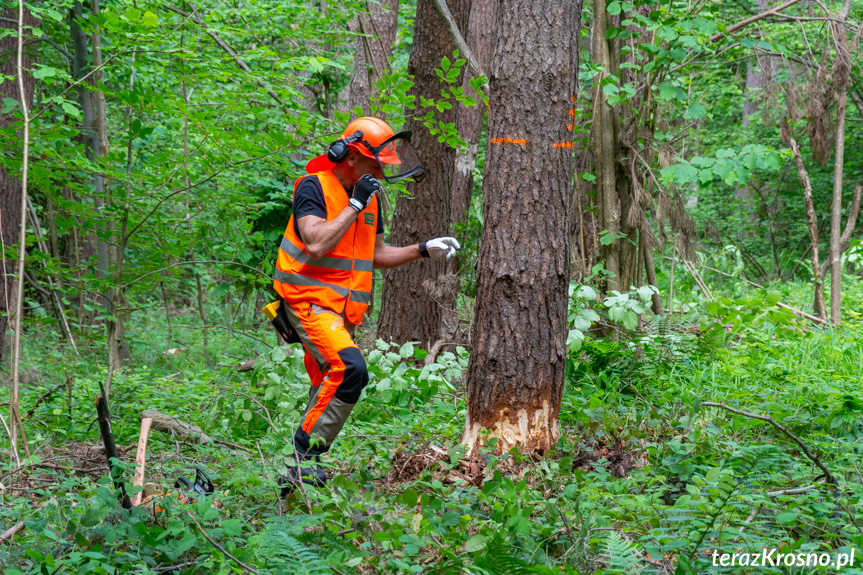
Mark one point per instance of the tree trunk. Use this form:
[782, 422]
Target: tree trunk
[408, 312]
[480, 39]
[840, 83]
[10, 182]
[373, 50]
[90, 137]
[759, 73]
[518, 356]
[604, 149]
[818, 306]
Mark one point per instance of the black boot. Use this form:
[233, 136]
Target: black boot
[308, 471]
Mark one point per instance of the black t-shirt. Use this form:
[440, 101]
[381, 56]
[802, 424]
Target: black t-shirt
[309, 201]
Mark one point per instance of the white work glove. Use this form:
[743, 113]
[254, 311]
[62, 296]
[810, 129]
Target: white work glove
[439, 248]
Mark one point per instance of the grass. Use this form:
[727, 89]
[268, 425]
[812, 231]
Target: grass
[643, 479]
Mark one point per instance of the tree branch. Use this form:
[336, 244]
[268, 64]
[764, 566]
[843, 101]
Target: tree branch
[42, 39]
[731, 29]
[812, 457]
[221, 43]
[845, 240]
[458, 40]
[220, 548]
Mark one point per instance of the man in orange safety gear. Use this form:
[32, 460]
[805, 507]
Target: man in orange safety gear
[333, 242]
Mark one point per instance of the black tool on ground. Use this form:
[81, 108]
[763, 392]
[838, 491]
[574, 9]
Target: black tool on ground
[202, 485]
[275, 312]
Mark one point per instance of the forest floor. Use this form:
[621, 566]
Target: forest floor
[644, 478]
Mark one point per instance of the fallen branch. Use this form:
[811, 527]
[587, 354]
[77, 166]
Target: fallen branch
[220, 548]
[828, 477]
[176, 427]
[11, 532]
[794, 491]
[793, 310]
[180, 429]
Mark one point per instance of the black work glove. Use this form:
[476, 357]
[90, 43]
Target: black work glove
[364, 189]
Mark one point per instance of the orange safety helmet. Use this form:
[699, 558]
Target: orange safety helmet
[375, 139]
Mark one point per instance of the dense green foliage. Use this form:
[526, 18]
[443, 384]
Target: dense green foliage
[644, 479]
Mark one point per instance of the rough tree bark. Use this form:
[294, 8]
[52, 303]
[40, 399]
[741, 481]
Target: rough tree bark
[10, 183]
[373, 49]
[408, 313]
[518, 356]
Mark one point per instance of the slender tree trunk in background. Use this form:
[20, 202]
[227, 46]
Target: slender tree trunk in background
[408, 312]
[518, 343]
[198, 286]
[10, 183]
[90, 244]
[373, 50]
[480, 39]
[818, 306]
[604, 149]
[841, 70]
[759, 74]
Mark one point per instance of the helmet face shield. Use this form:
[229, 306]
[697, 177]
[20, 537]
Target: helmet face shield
[398, 159]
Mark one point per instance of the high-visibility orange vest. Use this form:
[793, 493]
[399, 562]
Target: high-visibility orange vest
[341, 280]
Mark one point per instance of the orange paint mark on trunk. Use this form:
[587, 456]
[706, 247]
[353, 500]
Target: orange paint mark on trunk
[518, 141]
[562, 145]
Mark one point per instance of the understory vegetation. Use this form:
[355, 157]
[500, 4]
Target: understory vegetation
[643, 480]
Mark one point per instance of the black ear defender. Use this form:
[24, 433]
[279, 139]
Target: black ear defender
[338, 150]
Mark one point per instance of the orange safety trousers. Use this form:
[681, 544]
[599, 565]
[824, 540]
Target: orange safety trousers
[337, 371]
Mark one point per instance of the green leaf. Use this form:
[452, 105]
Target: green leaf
[132, 14]
[45, 72]
[407, 350]
[382, 536]
[150, 19]
[695, 111]
[451, 518]
[445, 64]
[787, 517]
[476, 543]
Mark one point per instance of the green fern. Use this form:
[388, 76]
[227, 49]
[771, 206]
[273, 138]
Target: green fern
[279, 547]
[620, 555]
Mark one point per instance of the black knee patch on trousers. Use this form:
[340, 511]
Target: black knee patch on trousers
[356, 375]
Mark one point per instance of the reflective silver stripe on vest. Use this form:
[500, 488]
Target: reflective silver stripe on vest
[298, 280]
[305, 259]
[364, 266]
[361, 296]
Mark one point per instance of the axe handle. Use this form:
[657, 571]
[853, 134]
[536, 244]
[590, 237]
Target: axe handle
[140, 458]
